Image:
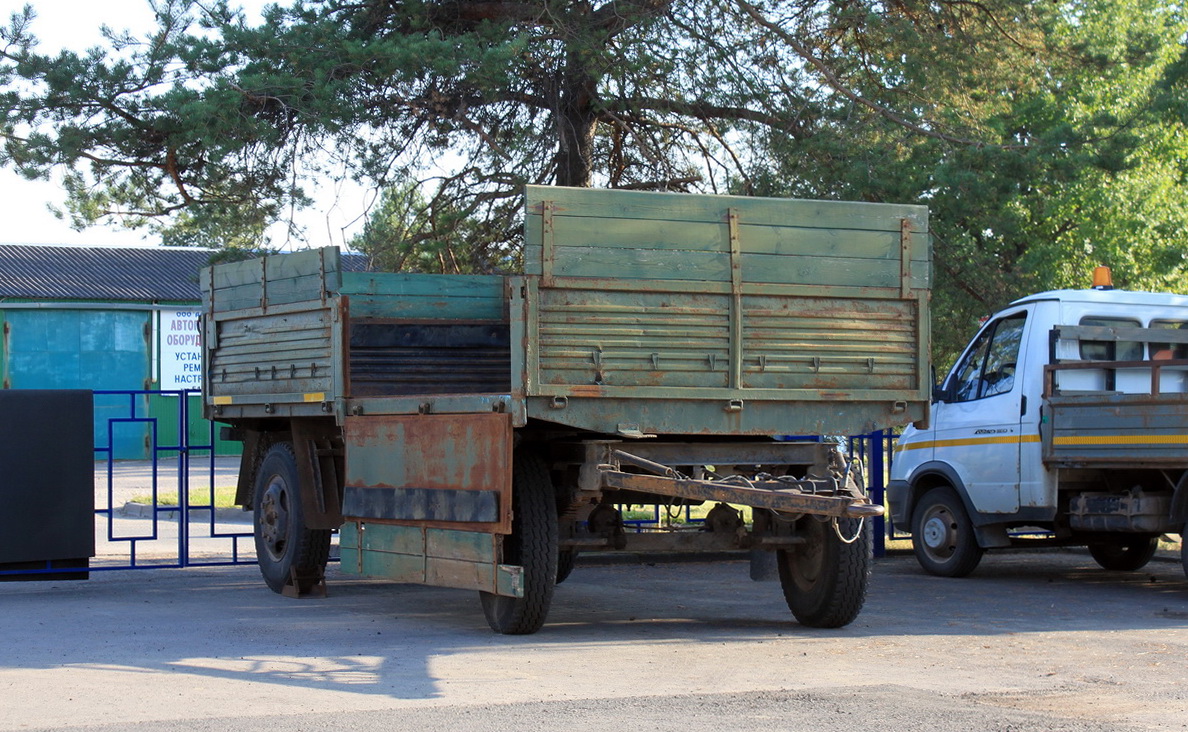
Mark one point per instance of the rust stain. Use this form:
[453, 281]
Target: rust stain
[446, 451]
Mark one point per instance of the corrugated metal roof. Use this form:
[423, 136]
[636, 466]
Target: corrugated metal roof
[108, 273]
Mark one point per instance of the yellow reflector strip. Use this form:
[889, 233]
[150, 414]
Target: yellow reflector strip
[318, 396]
[221, 400]
[1123, 440]
[967, 441]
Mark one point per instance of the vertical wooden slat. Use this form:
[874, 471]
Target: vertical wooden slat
[905, 257]
[548, 245]
[736, 314]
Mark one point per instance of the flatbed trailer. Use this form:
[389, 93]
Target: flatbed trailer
[478, 431]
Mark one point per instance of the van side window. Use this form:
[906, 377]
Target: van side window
[1164, 351]
[1111, 350]
[989, 367]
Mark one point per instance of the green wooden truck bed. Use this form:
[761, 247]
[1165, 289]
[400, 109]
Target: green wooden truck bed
[647, 333]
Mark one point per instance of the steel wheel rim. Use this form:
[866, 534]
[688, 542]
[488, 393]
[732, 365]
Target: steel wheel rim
[808, 560]
[939, 531]
[274, 517]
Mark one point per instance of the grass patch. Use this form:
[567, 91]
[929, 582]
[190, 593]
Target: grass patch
[224, 497]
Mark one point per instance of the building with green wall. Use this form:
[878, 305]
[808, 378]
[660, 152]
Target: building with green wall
[108, 319]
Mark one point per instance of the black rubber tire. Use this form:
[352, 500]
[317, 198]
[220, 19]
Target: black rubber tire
[283, 543]
[824, 580]
[531, 545]
[1124, 553]
[1184, 549]
[565, 561]
[942, 535]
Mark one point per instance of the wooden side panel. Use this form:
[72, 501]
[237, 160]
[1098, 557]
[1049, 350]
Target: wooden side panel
[605, 234]
[273, 354]
[271, 281]
[722, 303]
[440, 557]
[425, 296]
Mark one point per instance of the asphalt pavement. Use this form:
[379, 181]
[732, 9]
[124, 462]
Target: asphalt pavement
[1042, 641]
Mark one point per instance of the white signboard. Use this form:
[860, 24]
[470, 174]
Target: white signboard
[181, 350]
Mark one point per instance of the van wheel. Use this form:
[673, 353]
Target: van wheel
[531, 545]
[942, 535]
[283, 543]
[1124, 553]
[824, 579]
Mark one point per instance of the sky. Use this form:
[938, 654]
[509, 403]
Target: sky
[74, 24]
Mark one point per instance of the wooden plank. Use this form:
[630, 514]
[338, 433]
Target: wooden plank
[392, 539]
[426, 308]
[460, 574]
[641, 264]
[422, 285]
[322, 264]
[700, 267]
[396, 567]
[603, 203]
[470, 546]
[753, 239]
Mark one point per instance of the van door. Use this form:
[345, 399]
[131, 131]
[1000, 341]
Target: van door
[978, 425]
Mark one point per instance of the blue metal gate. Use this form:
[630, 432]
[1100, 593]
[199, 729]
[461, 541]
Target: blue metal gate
[137, 529]
[152, 533]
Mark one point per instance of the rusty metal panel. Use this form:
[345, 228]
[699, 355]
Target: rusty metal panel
[387, 455]
[422, 504]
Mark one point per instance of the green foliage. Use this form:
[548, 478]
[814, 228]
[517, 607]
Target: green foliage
[407, 233]
[1049, 155]
[1045, 137]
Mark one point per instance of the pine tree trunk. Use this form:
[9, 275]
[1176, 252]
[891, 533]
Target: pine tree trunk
[576, 121]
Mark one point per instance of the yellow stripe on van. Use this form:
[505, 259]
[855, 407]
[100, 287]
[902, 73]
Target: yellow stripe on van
[967, 441]
[1122, 440]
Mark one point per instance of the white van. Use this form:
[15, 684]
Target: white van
[1064, 422]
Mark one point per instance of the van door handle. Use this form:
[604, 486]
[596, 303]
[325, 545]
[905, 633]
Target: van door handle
[1023, 407]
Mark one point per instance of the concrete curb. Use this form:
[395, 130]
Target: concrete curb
[197, 514]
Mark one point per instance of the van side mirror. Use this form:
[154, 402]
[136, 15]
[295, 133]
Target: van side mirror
[939, 392]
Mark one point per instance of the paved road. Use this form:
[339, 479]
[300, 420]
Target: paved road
[1030, 642]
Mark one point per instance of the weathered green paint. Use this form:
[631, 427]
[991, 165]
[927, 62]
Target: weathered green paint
[460, 559]
[425, 297]
[662, 311]
[639, 314]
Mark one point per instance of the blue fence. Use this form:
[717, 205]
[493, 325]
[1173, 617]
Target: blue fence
[136, 528]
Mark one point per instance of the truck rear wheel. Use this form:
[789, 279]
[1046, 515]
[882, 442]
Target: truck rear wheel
[566, 558]
[942, 535]
[824, 579]
[531, 545]
[1184, 549]
[283, 543]
[1124, 553]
